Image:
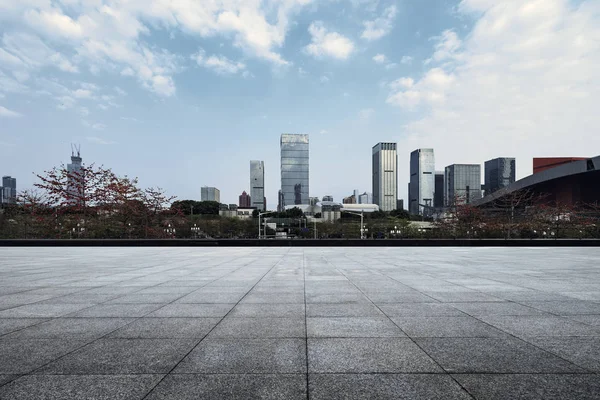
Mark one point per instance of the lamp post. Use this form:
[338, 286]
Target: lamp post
[395, 231]
[195, 231]
[362, 226]
[260, 215]
[170, 232]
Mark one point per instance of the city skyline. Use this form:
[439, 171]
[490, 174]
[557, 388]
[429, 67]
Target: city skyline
[176, 100]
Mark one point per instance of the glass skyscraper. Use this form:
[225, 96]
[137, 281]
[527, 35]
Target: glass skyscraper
[8, 191]
[499, 173]
[294, 169]
[462, 183]
[422, 182]
[75, 178]
[257, 184]
[385, 176]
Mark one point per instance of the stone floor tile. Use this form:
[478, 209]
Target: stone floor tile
[79, 328]
[238, 356]
[123, 356]
[267, 310]
[583, 351]
[260, 328]
[543, 325]
[446, 327]
[76, 387]
[368, 355]
[345, 327]
[166, 328]
[531, 386]
[343, 310]
[231, 386]
[8, 325]
[420, 310]
[493, 355]
[384, 386]
[19, 356]
[192, 310]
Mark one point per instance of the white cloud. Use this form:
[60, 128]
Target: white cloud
[379, 27]
[380, 58]
[324, 79]
[406, 60]
[323, 131]
[96, 126]
[84, 111]
[98, 140]
[366, 113]
[82, 94]
[6, 113]
[219, 63]
[65, 102]
[330, 44]
[120, 91]
[524, 82]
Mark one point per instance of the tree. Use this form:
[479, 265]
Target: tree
[402, 214]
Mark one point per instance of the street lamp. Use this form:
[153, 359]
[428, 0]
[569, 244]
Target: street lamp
[196, 231]
[169, 231]
[362, 226]
[395, 231]
[260, 215]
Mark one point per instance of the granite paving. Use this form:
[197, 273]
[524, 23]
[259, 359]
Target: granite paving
[299, 323]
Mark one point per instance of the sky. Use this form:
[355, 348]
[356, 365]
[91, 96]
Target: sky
[184, 93]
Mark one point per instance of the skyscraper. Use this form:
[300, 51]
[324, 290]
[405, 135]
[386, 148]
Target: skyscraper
[257, 184]
[245, 200]
[385, 176]
[499, 173]
[462, 183]
[328, 198]
[438, 193]
[8, 190]
[208, 193]
[422, 181]
[75, 178]
[365, 198]
[294, 169]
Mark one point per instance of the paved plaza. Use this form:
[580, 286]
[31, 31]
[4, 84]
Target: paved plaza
[298, 323]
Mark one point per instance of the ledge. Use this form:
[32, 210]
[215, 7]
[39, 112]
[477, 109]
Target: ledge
[299, 242]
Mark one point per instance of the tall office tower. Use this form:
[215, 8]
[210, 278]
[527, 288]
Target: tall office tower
[422, 181]
[313, 201]
[499, 173]
[75, 178]
[245, 200]
[462, 184]
[280, 205]
[257, 184]
[385, 176]
[365, 198]
[8, 191]
[294, 169]
[208, 193]
[328, 198]
[438, 192]
[349, 200]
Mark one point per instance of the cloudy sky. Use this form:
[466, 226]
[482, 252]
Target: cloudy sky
[183, 93]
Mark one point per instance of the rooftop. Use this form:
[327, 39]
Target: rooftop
[179, 323]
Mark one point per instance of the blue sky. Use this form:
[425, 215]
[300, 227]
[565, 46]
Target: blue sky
[184, 93]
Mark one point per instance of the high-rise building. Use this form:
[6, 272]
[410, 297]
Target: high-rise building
[422, 181]
[294, 169]
[208, 193]
[313, 201]
[280, 205]
[349, 200]
[257, 184]
[499, 173]
[385, 176]
[75, 178]
[365, 198]
[8, 190]
[400, 204]
[328, 198]
[245, 200]
[462, 183]
[438, 192]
